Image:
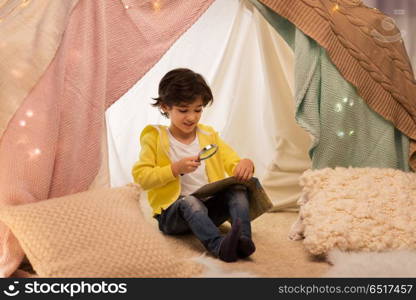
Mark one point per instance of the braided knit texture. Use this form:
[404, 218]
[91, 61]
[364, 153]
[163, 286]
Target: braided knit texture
[98, 233]
[379, 68]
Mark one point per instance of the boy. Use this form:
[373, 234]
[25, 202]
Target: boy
[169, 169]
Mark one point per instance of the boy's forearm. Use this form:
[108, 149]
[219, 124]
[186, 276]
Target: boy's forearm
[153, 177]
[175, 171]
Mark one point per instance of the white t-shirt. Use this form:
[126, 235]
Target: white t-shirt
[190, 182]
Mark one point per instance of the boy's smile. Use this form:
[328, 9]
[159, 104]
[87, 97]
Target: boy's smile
[185, 118]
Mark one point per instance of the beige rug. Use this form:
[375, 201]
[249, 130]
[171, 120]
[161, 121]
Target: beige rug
[276, 255]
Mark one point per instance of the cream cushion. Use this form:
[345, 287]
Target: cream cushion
[97, 233]
[358, 209]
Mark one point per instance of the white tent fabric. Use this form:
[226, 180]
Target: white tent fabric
[250, 70]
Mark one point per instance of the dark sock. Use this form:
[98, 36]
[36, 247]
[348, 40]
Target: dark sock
[228, 247]
[245, 247]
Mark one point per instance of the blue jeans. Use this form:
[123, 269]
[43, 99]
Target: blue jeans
[190, 214]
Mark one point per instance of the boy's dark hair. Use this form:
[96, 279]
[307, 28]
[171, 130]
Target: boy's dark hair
[182, 86]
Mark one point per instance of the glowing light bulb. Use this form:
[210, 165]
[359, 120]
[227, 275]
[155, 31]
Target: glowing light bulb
[126, 6]
[24, 3]
[29, 113]
[340, 134]
[157, 5]
[17, 73]
[22, 123]
[336, 7]
[34, 153]
[338, 107]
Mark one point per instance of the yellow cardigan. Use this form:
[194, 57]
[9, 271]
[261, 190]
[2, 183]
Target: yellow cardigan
[153, 169]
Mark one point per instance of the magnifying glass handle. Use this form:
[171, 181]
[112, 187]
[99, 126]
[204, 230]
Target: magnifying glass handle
[198, 160]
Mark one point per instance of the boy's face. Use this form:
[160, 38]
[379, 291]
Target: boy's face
[185, 116]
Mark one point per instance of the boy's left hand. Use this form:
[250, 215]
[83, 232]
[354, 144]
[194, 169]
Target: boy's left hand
[244, 170]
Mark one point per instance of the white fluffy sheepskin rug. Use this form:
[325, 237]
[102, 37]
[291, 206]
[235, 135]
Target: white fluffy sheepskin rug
[358, 209]
[399, 263]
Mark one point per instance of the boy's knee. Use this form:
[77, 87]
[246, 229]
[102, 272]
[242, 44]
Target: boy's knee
[238, 194]
[192, 203]
[238, 188]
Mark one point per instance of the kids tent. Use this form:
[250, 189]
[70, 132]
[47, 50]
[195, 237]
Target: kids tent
[77, 101]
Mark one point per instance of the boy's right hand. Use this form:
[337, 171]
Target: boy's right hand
[185, 165]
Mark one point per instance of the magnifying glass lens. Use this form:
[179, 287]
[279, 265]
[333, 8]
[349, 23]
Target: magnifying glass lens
[208, 151]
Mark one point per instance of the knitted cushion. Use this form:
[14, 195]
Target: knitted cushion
[97, 233]
[359, 209]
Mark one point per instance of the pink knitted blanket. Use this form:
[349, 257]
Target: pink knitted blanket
[51, 147]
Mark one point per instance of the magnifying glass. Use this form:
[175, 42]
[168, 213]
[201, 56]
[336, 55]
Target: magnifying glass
[207, 151]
